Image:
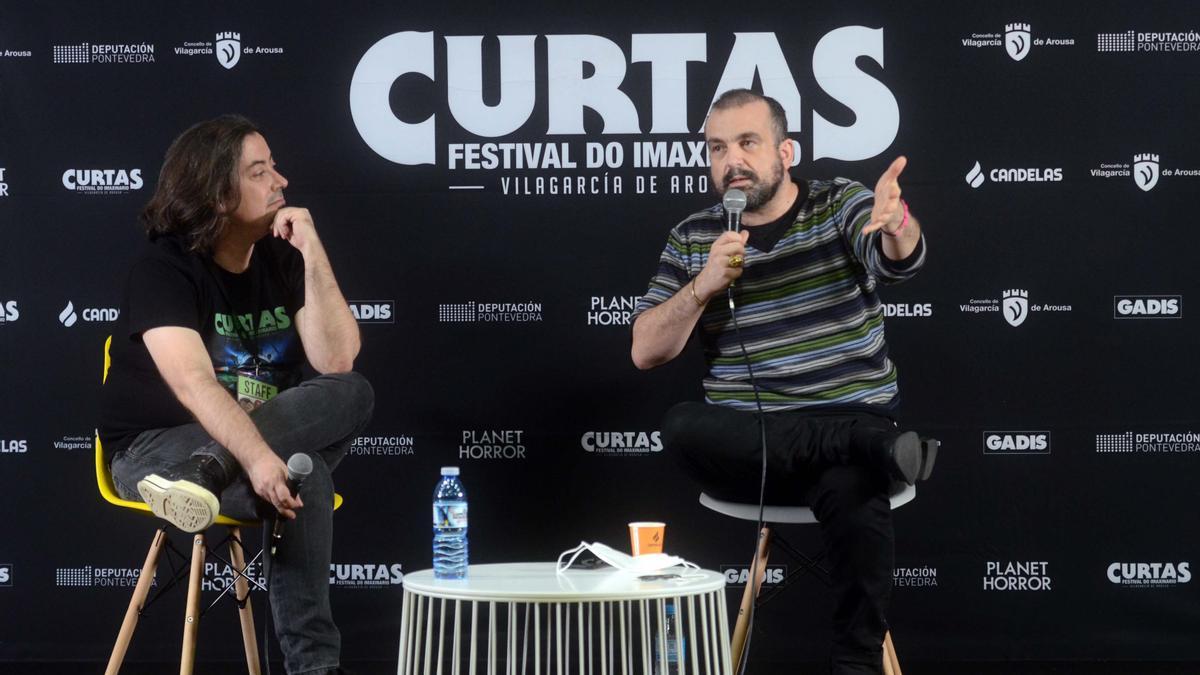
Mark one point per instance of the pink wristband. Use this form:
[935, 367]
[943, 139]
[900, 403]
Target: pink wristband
[903, 221]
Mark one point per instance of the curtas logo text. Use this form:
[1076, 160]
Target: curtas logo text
[585, 72]
[1149, 575]
[3, 183]
[9, 311]
[1148, 307]
[102, 181]
[622, 442]
[1016, 442]
[1016, 576]
[365, 575]
[374, 311]
[492, 444]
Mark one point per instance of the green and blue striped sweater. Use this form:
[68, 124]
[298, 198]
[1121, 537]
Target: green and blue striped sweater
[808, 308]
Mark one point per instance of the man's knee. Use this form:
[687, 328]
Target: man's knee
[852, 498]
[354, 387]
[679, 426]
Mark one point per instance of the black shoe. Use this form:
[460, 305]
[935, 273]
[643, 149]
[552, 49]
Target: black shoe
[187, 494]
[907, 457]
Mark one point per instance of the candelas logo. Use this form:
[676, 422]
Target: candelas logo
[975, 177]
[1149, 575]
[1148, 307]
[921, 310]
[6, 574]
[68, 317]
[1016, 442]
[9, 446]
[586, 72]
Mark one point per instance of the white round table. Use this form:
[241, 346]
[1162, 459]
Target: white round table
[533, 620]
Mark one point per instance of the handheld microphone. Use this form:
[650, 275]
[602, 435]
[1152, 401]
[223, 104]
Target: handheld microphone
[734, 203]
[299, 467]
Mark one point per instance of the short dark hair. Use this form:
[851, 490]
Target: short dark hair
[736, 98]
[198, 183]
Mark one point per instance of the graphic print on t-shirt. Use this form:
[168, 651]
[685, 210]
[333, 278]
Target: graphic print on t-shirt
[255, 354]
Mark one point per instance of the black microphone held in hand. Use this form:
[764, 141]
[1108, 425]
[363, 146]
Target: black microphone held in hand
[299, 467]
[734, 203]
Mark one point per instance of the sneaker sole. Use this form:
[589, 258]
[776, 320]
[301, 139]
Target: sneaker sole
[907, 457]
[182, 503]
[929, 456]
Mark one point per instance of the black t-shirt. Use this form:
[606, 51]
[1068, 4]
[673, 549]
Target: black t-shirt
[764, 237]
[246, 320]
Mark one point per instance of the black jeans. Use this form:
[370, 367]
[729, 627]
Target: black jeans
[321, 417]
[818, 460]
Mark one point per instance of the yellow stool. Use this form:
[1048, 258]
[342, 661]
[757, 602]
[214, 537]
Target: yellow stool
[191, 621]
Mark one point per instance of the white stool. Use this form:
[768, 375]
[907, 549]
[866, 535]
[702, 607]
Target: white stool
[790, 515]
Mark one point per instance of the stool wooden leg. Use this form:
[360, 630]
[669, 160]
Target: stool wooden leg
[753, 586]
[191, 622]
[245, 612]
[136, 603]
[891, 663]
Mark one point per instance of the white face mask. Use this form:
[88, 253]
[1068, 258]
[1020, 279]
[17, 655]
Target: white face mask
[642, 564]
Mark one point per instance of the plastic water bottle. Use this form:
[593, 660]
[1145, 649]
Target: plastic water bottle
[675, 645]
[449, 526]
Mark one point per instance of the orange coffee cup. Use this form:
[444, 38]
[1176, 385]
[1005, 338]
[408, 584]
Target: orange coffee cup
[645, 537]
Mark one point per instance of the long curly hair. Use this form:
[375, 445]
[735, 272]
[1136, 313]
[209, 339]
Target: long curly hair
[198, 183]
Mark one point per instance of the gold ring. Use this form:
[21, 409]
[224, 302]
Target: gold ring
[736, 260]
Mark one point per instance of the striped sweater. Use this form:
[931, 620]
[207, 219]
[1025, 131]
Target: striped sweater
[808, 309]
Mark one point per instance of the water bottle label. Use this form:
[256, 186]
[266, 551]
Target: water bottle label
[450, 514]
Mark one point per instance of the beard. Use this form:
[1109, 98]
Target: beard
[759, 191]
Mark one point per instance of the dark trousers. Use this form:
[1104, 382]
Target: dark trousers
[818, 460]
[321, 417]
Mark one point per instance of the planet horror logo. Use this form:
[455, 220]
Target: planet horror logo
[614, 310]
[586, 72]
[1016, 576]
[492, 444]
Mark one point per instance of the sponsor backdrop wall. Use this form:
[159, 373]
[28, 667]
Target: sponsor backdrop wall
[494, 187]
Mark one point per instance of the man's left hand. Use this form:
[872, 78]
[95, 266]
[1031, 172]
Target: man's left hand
[888, 213]
[295, 226]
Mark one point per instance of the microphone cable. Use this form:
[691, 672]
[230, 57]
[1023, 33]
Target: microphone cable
[762, 488]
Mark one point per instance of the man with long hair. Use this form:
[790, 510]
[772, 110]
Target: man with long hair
[204, 401]
[807, 341]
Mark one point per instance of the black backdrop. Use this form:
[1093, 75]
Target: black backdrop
[1070, 441]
